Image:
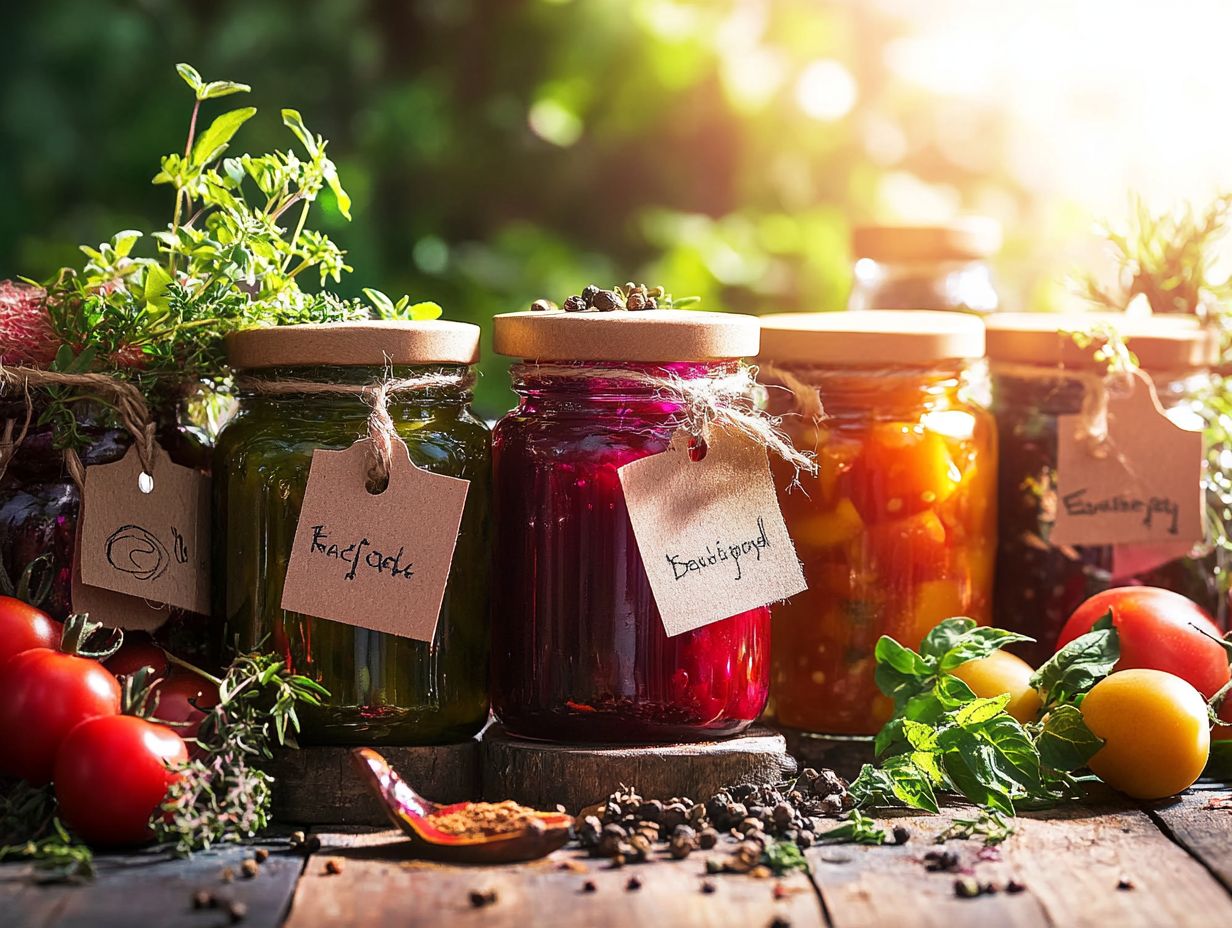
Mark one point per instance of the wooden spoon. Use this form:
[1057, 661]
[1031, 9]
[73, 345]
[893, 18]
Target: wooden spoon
[410, 812]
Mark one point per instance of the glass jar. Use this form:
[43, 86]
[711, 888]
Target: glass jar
[1038, 375]
[925, 267]
[897, 530]
[385, 689]
[579, 648]
[40, 504]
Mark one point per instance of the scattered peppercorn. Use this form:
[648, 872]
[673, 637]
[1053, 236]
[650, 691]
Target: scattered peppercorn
[250, 868]
[901, 835]
[333, 866]
[1013, 887]
[1125, 883]
[780, 922]
[542, 306]
[967, 887]
[481, 899]
[228, 874]
[203, 899]
[941, 862]
[261, 855]
[237, 911]
[297, 838]
[589, 887]
[708, 887]
[313, 844]
[633, 884]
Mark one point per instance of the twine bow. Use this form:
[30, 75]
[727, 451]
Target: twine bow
[129, 405]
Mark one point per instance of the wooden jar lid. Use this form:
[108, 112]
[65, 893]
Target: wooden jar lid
[872, 337]
[652, 336]
[368, 343]
[962, 240]
[1162, 343]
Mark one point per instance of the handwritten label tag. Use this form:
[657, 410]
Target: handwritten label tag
[1143, 485]
[147, 535]
[115, 610]
[378, 561]
[710, 532]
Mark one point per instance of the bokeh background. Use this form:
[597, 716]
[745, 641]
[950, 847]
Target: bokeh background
[501, 150]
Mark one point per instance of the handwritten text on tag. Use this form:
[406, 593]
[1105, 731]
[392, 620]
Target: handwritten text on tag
[377, 561]
[710, 532]
[147, 535]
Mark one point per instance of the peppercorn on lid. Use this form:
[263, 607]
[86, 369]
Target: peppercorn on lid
[651, 336]
[364, 343]
[964, 239]
[872, 337]
[1162, 343]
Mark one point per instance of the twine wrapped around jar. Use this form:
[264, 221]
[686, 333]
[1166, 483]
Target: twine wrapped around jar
[725, 399]
[129, 405]
[381, 430]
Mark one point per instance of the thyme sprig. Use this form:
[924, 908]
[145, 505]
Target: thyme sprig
[224, 795]
[30, 830]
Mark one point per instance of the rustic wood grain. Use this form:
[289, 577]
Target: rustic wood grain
[149, 890]
[320, 785]
[1201, 822]
[1070, 860]
[378, 885]
[539, 774]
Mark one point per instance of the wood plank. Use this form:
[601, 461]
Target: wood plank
[154, 890]
[379, 885]
[1070, 861]
[575, 775]
[1201, 822]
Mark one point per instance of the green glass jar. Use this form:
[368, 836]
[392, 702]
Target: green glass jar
[385, 689]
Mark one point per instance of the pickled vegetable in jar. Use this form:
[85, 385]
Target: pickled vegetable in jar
[385, 688]
[1038, 374]
[926, 267]
[580, 652]
[898, 530]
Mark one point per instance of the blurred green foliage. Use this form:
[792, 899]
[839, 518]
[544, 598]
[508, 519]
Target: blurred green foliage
[496, 151]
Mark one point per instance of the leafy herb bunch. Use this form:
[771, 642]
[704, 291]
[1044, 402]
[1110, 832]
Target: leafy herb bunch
[944, 739]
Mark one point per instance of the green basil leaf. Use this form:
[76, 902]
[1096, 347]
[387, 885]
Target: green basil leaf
[190, 75]
[1078, 666]
[123, 242]
[974, 775]
[890, 740]
[919, 736]
[213, 141]
[1013, 753]
[944, 635]
[911, 786]
[952, 692]
[1065, 742]
[293, 121]
[157, 281]
[978, 643]
[215, 89]
[981, 710]
[890, 653]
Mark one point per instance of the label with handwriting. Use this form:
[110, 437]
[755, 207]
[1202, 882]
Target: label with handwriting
[710, 532]
[1142, 485]
[375, 560]
[146, 535]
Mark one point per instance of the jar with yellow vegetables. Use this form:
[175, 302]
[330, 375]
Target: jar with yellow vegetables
[898, 529]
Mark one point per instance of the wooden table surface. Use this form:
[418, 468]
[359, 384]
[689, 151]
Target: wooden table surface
[1176, 858]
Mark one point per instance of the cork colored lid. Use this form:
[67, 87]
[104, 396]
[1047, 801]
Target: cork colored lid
[964, 239]
[872, 337]
[651, 336]
[367, 343]
[1162, 343]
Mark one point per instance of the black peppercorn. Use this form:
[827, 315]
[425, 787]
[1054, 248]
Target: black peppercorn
[542, 306]
[633, 885]
[481, 899]
[575, 304]
[708, 887]
[901, 835]
[707, 839]
[589, 292]
[589, 887]
[606, 301]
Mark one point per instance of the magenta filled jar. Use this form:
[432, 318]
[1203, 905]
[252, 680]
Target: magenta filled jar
[579, 648]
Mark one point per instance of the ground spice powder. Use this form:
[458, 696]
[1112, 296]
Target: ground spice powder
[479, 819]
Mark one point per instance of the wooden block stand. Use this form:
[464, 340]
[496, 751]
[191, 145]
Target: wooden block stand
[577, 775]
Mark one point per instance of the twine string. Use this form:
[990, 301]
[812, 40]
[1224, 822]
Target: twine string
[807, 398]
[381, 430]
[1093, 413]
[727, 400]
[129, 405]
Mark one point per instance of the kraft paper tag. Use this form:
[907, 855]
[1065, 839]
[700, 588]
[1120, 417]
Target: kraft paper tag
[378, 561]
[115, 610]
[1129, 561]
[146, 535]
[710, 532]
[1142, 485]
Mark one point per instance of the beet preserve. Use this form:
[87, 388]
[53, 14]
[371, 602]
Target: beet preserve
[579, 648]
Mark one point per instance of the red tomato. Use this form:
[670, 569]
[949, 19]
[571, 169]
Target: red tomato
[43, 696]
[184, 698]
[1159, 630]
[23, 627]
[111, 776]
[137, 651]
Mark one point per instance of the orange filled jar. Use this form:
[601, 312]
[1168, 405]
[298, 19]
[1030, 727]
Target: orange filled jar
[898, 529]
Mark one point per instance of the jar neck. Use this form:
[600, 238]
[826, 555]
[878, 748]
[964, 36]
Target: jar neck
[923, 284]
[1059, 392]
[607, 387]
[307, 390]
[891, 392]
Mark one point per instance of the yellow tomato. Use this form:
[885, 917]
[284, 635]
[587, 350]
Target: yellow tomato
[1156, 733]
[998, 673]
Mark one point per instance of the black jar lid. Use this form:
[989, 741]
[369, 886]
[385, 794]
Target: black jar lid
[355, 344]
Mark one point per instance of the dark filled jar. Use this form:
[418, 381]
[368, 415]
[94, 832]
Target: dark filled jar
[40, 503]
[580, 652]
[385, 688]
[898, 529]
[943, 267]
[1040, 373]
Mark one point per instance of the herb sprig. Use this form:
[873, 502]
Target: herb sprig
[30, 830]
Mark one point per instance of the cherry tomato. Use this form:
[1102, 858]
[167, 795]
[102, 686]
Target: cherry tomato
[43, 696]
[23, 627]
[1002, 672]
[112, 773]
[1159, 630]
[137, 651]
[184, 698]
[1156, 732]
